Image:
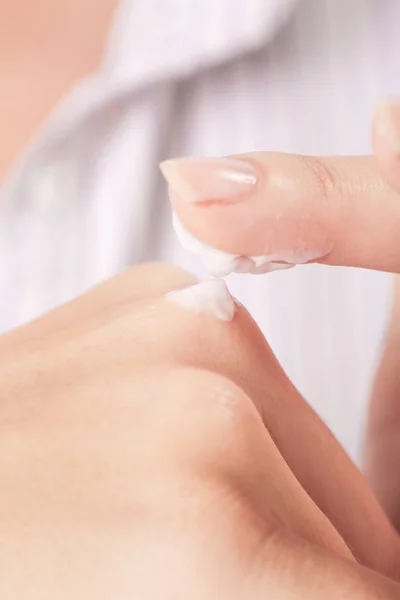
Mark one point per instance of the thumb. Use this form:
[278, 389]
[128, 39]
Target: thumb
[282, 208]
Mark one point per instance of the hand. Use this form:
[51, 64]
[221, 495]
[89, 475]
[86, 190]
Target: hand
[286, 210]
[149, 450]
[294, 209]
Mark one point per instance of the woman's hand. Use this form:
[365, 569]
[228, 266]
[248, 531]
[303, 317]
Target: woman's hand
[151, 447]
[284, 210]
[294, 209]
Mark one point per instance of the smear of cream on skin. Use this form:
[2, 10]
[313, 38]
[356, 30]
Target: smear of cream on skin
[211, 297]
[221, 263]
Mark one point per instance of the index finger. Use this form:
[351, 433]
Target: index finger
[291, 209]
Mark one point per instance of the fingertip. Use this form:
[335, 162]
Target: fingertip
[240, 237]
[302, 209]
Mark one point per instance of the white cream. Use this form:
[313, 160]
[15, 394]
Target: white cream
[211, 297]
[221, 263]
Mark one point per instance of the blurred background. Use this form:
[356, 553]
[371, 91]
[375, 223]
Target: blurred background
[95, 93]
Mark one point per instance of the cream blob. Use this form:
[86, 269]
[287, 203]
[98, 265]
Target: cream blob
[221, 263]
[211, 297]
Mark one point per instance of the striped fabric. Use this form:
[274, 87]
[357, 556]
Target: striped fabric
[210, 77]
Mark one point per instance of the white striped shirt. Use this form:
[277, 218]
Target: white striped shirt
[210, 77]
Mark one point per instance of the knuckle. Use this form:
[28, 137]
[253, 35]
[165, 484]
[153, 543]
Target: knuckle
[172, 338]
[194, 338]
[205, 411]
[321, 180]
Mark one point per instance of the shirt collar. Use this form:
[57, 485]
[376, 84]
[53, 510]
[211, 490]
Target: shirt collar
[152, 40]
[162, 39]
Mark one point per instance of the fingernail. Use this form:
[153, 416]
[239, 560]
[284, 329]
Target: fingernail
[211, 297]
[387, 123]
[210, 179]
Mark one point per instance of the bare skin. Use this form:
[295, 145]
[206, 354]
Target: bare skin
[152, 451]
[46, 47]
[345, 208]
[382, 449]
[137, 458]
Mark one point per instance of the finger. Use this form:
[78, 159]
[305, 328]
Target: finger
[293, 569]
[386, 138]
[288, 208]
[383, 431]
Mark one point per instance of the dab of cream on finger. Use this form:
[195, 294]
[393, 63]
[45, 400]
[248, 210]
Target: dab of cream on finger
[211, 297]
[220, 264]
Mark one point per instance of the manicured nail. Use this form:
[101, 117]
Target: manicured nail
[210, 179]
[211, 297]
[387, 123]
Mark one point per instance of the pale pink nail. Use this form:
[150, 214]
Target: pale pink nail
[387, 124]
[208, 179]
